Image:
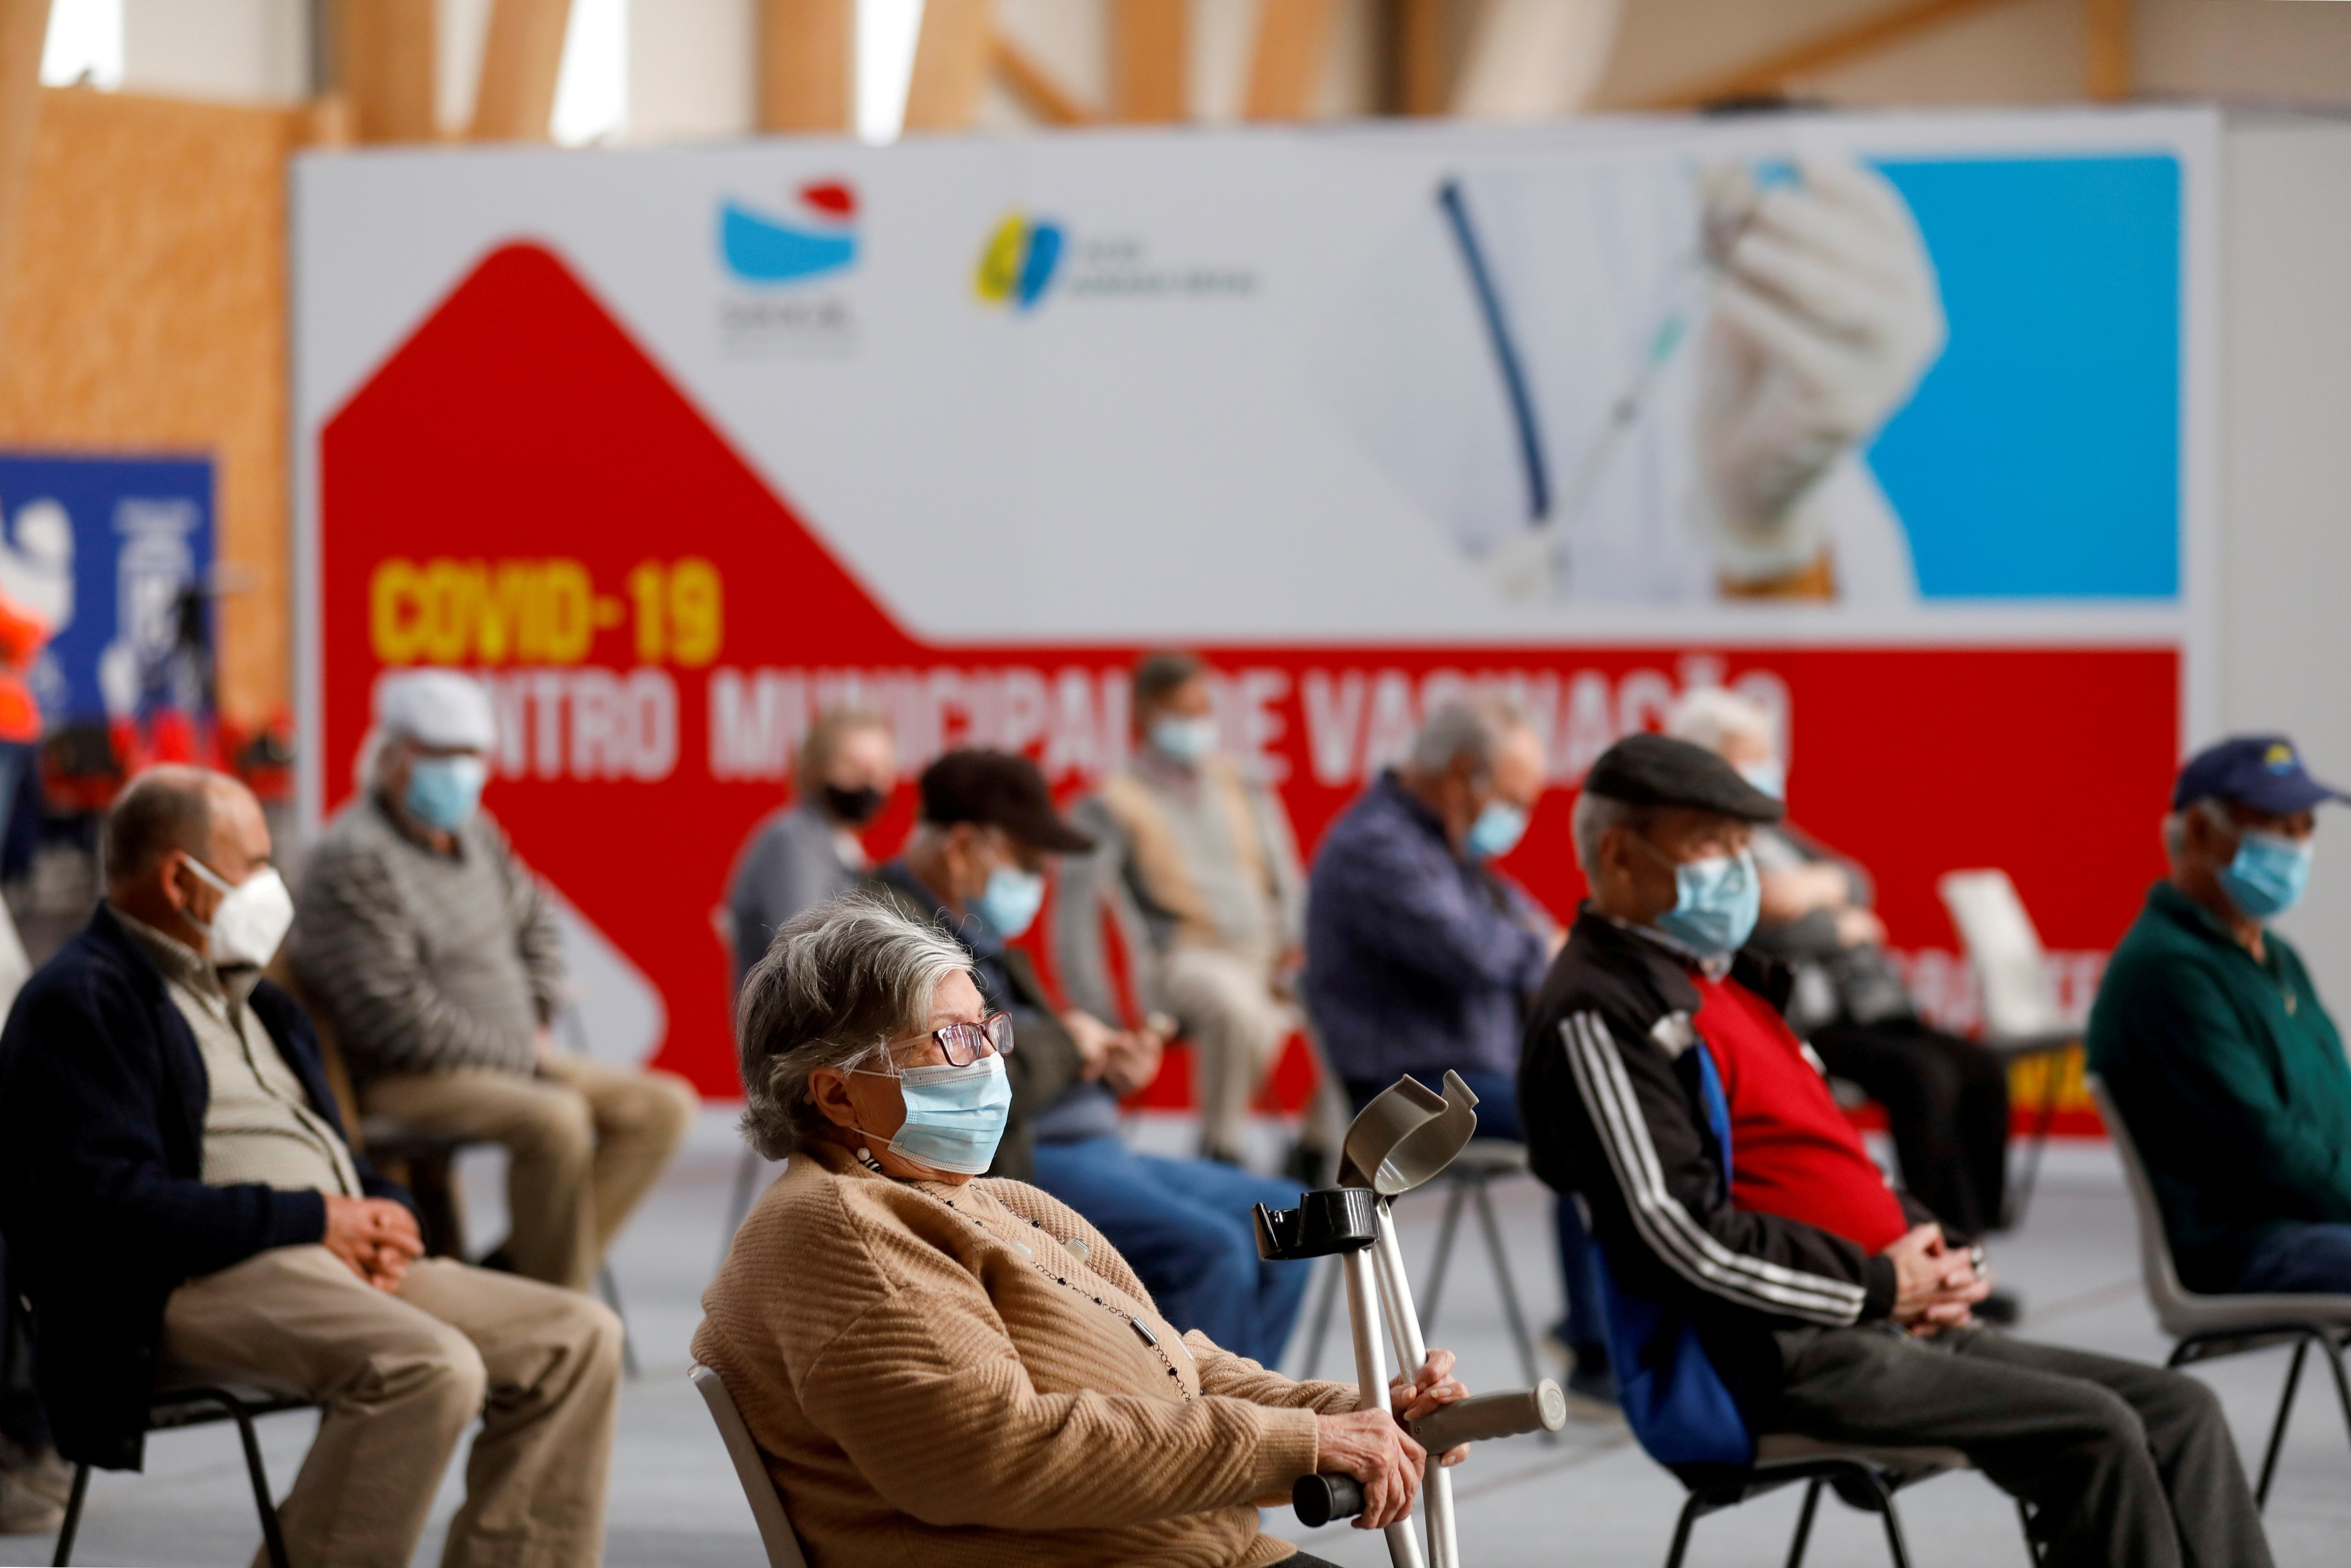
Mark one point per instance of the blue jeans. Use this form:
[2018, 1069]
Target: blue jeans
[2299, 1260]
[1184, 1227]
[1498, 1117]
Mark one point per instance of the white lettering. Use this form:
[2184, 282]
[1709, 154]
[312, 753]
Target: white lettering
[1335, 718]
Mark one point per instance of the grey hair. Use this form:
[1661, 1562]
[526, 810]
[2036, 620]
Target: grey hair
[2175, 823]
[1708, 716]
[839, 981]
[1595, 815]
[1474, 728]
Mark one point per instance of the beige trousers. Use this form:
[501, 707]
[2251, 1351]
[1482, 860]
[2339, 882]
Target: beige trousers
[1228, 1010]
[402, 1376]
[584, 1143]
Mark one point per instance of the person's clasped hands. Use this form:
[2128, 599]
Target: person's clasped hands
[1937, 1285]
[1373, 1447]
[375, 1237]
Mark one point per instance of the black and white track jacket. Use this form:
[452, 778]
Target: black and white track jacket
[1608, 1086]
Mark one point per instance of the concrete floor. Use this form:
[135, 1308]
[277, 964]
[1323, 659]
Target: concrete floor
[1589, 1499]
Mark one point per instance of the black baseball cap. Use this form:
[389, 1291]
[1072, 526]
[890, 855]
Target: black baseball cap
[998, 789]
[1657, 770]
[2264, 772]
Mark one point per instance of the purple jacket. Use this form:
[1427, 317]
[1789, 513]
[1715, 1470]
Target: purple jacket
[1415, 960]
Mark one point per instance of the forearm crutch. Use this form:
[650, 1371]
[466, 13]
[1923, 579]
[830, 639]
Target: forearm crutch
[1402, 1138]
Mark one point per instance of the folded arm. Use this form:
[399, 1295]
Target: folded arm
[360, 953]
[1620, 1094]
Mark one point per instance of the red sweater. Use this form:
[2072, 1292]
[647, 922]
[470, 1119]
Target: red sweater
[1793, 1153]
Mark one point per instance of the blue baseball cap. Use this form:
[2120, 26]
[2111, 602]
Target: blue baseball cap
[2264, 772]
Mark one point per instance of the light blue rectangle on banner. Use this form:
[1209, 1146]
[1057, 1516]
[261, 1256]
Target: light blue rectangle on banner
[2040, 457]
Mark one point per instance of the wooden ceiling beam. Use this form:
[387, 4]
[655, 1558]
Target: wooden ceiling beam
[952, 56]
[807, 53]
[521, 59]
[23, 28]
[1424, 67]
[1771, 72]
[2107, 63]
[1150, 60]
[1037, 88]
[384, 68]
[1292, 50]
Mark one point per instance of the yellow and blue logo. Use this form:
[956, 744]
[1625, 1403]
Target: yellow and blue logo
[821, 238]
[1018, 264]
[2279, 759]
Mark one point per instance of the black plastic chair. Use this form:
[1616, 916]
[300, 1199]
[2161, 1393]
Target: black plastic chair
[1863, 1476]
[203, 1407]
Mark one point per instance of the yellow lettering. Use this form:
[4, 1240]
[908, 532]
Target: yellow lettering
[697, 618]
[396, 610]
[568, 600]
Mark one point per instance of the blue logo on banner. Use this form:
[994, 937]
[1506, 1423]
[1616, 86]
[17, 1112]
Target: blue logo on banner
[2040, 458]
[763, 249]
[105, 550]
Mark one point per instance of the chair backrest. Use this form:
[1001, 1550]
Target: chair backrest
[2018, 998]
[758, 1487]
[2164, 1291]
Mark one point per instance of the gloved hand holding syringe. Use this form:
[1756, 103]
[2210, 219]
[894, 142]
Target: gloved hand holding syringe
[1816, 310]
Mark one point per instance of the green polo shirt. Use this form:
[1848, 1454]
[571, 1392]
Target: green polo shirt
[2232, 1079]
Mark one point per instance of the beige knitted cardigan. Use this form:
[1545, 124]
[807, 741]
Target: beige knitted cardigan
[947, 1377]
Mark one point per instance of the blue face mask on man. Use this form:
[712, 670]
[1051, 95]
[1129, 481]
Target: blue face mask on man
[954, 1115]
[1497, 830]
[1010, 900]
[444, 791]
[1715, 902]
[2268, 873]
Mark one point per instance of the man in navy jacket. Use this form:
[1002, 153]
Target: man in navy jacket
[182, 1207]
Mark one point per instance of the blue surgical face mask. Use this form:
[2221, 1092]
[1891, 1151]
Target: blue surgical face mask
[1184, 739]
[1011, 900]
[1716, 901]
[443, 791]
[2268, 873]
[1497, 830]
[954, 1115]
[1769, 776]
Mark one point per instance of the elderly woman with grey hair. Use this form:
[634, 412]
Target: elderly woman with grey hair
[956, 1372]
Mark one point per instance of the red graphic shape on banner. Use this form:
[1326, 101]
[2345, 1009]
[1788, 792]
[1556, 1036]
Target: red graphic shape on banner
[521, 491]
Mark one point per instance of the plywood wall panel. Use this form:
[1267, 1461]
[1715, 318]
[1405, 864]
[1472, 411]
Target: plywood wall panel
[148, 313]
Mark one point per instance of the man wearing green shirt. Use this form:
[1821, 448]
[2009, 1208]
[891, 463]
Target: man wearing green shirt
[2213, 1043]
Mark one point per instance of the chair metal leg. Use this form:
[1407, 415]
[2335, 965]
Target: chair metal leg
[610, 1287]
[1328, 1297]
[1804, 1523]
[1503, 1278]
[1680, 1548]
[2277, 1427]
[1895, 1546]
[1456, 1192]
[273, 1539]
[746, 1175]
[2019, 1196]
[72, 1525]
[2342, 1378]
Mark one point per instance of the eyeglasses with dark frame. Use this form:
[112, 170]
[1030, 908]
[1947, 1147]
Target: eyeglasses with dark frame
[965, 1044]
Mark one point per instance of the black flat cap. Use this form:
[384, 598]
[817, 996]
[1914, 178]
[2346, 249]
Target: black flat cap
[998, 789]
[1658, 770]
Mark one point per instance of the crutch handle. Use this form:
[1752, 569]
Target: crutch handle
[1319, 1499]
[1542, 1408]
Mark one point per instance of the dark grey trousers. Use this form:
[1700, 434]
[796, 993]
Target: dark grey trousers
[2125, 1464]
